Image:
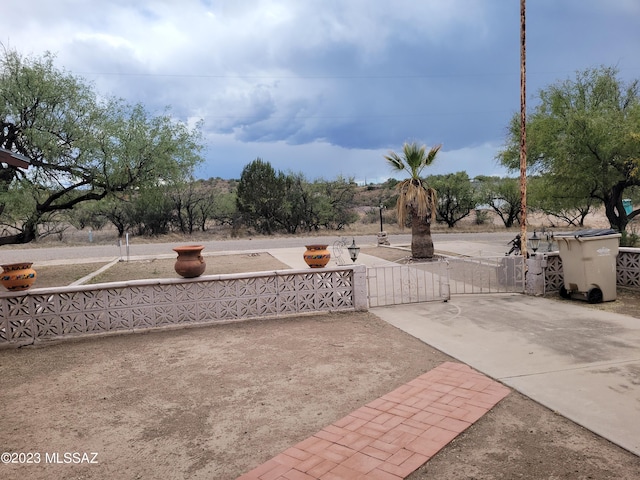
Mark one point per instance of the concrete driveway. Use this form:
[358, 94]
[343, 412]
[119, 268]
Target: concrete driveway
[580, 362]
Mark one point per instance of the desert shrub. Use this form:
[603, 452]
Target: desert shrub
[630, 239]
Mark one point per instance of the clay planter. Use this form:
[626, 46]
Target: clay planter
[17, 276]
[317, 256]
[190, 263]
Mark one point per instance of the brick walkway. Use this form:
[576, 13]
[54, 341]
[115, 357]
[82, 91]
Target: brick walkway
[392, 436]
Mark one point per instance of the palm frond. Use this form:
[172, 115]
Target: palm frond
[431, 156]
[415, 197]
[395, 161]
[414, 155]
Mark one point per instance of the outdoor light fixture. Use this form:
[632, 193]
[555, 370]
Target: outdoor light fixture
[354, 250]
[534, 241]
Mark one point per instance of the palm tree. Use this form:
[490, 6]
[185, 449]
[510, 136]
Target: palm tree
[416, 199]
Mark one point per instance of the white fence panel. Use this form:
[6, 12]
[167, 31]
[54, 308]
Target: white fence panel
[486, 275]
[400, 284]
[437, 280]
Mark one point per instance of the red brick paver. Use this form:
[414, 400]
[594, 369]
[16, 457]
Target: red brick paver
[392, 436]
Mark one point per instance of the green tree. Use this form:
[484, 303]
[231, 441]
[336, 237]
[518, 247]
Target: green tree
[585, 132]
[87, 214]
[153, 212]
[337, 197]
[503, 196]
[272, 201]
[296, 203]
[416, 200]
[219, 206]
[118, 211]
[191, 201]
[328, 204]
[222, 209]
[81, 146]
[456, 196]
[568, 203]
[260, 196]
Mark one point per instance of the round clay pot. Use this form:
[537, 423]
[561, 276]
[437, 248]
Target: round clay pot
[17, 276]
[317, 256]
[190, 263]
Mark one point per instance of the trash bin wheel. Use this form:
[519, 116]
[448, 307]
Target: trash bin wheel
[594, 295]
[564, 293]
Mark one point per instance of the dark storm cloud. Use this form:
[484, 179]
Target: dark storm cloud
[345, 81]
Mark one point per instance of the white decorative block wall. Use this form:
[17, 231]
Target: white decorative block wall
[44, 314]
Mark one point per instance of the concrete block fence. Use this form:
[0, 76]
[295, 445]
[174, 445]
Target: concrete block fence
[627, 269]
[47, 314]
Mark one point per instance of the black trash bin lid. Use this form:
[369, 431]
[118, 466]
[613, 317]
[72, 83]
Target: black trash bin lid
[592, 232]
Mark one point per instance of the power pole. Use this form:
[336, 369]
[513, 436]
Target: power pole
[523, 129]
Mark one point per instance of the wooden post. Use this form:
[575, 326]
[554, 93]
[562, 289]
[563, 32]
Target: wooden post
[523, 130]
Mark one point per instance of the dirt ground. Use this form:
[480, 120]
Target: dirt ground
[61, 275]
[213, 402]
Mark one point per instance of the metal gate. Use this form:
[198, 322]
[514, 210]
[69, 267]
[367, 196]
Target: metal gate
[486, 274]
[399, 284]
[439, 279]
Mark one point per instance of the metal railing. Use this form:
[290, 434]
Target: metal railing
[401, 284]
[439, 279]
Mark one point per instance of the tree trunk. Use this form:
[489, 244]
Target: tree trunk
[615, 210]
[28, 234]
[421, 241]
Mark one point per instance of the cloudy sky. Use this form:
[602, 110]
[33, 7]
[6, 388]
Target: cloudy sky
[327, 87]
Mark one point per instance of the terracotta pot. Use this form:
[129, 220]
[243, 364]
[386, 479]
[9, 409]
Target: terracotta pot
[190, 263]
[317, 256]
[17, 276]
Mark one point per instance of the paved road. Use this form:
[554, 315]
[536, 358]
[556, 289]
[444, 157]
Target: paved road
[91, 252]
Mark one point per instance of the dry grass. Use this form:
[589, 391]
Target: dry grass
[163, 268]
[63, 275]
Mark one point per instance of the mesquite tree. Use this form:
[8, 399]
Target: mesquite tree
[81, 146]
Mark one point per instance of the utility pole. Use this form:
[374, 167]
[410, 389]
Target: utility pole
[523, 130]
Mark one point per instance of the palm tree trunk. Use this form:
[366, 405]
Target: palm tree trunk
[421, 241]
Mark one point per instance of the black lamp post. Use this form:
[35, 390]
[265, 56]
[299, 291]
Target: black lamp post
[354, 250]
[381, 208]
[535, 242]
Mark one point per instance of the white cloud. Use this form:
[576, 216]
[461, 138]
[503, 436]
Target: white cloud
[343, 81]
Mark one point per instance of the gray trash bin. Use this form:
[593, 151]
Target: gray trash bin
[589, 264]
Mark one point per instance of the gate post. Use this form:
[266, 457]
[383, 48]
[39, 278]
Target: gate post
[534, 280]
[360, 300]
[445, 289]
